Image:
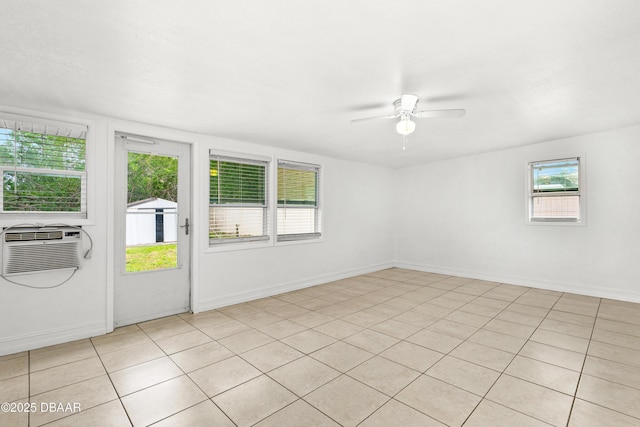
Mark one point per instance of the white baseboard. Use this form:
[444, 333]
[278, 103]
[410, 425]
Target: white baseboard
[241, 297]
[575, 288]
[44, 338]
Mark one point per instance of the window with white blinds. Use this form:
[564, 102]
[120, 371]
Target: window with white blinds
[298, 201]
[43, 168]
[556, 191]
[238, 200]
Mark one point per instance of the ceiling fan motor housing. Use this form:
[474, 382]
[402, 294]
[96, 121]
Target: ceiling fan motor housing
[407, 103]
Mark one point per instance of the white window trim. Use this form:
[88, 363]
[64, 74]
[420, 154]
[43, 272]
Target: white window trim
[249, 243]
[273, 200]
[583, 192]
[320, 208]
[71, 218]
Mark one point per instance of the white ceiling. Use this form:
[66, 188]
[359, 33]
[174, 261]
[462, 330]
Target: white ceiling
[293, 74]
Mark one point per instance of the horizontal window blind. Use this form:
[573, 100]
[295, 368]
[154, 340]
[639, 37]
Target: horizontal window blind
[555, 190]
[43, 167]
[298, 201]
[238, 200]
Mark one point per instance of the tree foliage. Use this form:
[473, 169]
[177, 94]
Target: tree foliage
[150, 176]
[34, 178]
[563, 182]
[236, 183]
[297, 187]
[25, 189]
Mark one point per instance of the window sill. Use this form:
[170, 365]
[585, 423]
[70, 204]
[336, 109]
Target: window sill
[229, 247]
[45, 222]
[580, 223]
[300, 242]
[240, 246]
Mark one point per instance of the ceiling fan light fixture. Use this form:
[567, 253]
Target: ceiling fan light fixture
[405, 126]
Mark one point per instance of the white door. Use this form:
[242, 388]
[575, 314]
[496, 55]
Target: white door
[152, 229]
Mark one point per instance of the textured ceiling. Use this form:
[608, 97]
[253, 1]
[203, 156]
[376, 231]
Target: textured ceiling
[293, 74]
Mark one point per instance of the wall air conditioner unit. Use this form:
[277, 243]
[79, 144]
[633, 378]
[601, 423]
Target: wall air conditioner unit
[37, 250]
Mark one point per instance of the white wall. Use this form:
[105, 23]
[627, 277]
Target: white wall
[464, 216]
[357, 234]
[31, 318]
[467, 216]
[357, 238]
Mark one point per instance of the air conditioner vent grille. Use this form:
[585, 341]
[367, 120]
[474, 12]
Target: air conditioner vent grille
[27, 236]
[41, 257]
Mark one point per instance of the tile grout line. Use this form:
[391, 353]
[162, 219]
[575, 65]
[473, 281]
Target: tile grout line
[164, 381]
[514, 357]
[482, 398]
[376, 294]
[187, 375]
[111, 381]
[584, 361]
[422, 373]
[29, 384]
[345, 373]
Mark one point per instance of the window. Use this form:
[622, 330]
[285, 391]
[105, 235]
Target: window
[555, 191]
[43, 168]
[238, 200]
[298, 201]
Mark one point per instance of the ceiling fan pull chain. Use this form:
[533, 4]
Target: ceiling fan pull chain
[404, 142]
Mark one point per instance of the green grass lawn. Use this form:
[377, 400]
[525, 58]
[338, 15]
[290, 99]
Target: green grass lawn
[151, 257]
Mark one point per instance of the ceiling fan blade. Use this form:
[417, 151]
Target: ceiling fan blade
[391, 116]
[369, 106]
[430, 114]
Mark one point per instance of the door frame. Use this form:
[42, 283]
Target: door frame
[151, 132]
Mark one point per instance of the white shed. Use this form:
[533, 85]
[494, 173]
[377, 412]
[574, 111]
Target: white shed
[151, 221]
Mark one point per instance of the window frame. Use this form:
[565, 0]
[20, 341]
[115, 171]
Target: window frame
[242, 242]
[84, 216]
[530, 195]
[292, 238]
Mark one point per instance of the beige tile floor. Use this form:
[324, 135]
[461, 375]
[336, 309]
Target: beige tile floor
[391, 348]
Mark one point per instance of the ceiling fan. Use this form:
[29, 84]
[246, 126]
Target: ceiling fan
[405, 108]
